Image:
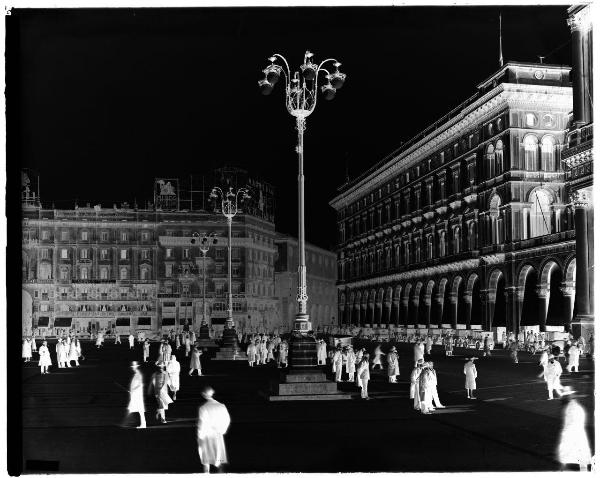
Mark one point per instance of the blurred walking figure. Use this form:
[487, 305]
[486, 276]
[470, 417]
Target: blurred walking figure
[488, 345]
[364, 376]
[117, 338]
[418, 351]
[131, 341]
[26, 350]
[574, 353]
[543, 362]
[173, 370]
[573, 450]
[282, 358]
[414, 384]
[99, 339]
[74, 352]
[158, 387]
[393, 366]
[552, 373]
[188, 344]
[136, 395]
[448, 345]
[470, 372]
[146, 349]
[213, 422]
[195, 361]
[514, 351]
[377, 353]
[337, 363]
[321, 352]
[62, 354]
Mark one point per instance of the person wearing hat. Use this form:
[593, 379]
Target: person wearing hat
[552, 373]
[213, 422]
[251, 353]
[427, 382]
[574, 353]
[195, 363]
[573, 451]
[136, 395]
[470, 372]
[363, 376]
[158, 387]
[45, 360]
[393, 366]
[350, 363]
[414, 383]
[337, 363]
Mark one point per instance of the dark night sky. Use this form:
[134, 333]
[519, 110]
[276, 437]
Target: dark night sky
[101, 102]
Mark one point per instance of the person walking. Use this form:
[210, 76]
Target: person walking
[117, 338]
[514, 351]
[377, 353]
[45, 360]
[470, 372]
[136, 395]
[99, 339]
[159, 388]
[543, 362]
[213, 422]
[488, 345]
[188, 344]
[131, 339]
[173, 370]
[74, 350]
[393, 366]
[426, 385]
[146, 350]
[363, 374]
[63, 355]
[573, 451]
[26, 350]
[552, 373]
[195, 363]
[418, 351]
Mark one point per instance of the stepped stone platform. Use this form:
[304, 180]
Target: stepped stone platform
[306, 385]
[230, 353]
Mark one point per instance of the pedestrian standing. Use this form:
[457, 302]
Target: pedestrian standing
[117, 338]
[321, 352]
[177, 342]
[418, 351]
[426, 386]
[434, 391]
[428, 344]
[131, 338]
[514, 351]
[270, 347]
[251, 354]
[350, 364]
[552, 374]
[173, 370]
[573, 450]
[213, 422]
[282, 358]
[195, 363]
[146, 350]
[45, 360]
[63, 355]
[263, 351]
[99, 339]
[26, 350]
[470, 372]
[393, 366]
[487, 346]
[449, 346]
[74, 349]
[364, 376]
[33, 344]
[136, 395]
[159, 388]
[337, 363]
[574, 353]
[188, 344]
[377, 353]
[414, 383]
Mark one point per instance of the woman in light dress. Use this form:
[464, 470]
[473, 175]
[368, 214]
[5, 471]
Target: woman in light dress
[74, 352]
[363, 374]
[146, 349]
[26, 350]
[195, 363]
[470, 372]
[251, 353]
[45, 360]
[63, 355]
[136, 395]
[173, 369]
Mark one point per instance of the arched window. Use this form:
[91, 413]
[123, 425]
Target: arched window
[83, 273]
[442, 243]
[548, 148]
[407, 252]
[429, 246]
[490, 162]
[418, 249]
[530, 143]
[499, 157]
[456, 241]
[397, 255]
[495, 219]
[123, 273]
[104, 273]
[144, 273]
[540, 219]
[472, 237]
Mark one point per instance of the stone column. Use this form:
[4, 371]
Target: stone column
[439, 309]
[584, 269]
[490, 308]
[405, 310]
[468, 308]
[543, 295]
[568, 294]
[415, 307]
[514, 303]
[452, 310]
[427, 301]
[581, 27]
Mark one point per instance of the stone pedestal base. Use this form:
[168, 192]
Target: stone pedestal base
[306, 385]
[230, 349]
[582, 325]
[303, 352]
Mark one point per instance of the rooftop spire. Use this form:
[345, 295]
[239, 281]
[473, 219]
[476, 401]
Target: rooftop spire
[500, 35]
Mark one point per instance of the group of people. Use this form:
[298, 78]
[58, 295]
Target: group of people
[68, 350]
[264, 348]
[423, 387]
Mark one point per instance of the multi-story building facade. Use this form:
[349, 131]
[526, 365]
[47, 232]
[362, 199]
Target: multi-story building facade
[578, 162]
[468, 224]
[321, 276]
[91, 268]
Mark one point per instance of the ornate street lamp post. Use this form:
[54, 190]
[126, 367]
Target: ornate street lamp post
[229, 208]
[301, 90]
[204, 242]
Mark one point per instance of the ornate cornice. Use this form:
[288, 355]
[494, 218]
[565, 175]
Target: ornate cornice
[515, 96]
[580, 20]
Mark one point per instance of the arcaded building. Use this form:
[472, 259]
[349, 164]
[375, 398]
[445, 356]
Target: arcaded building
[90, 268]
[467, 225]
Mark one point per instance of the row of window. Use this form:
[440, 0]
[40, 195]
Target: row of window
[104, 236]
[104, 254]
